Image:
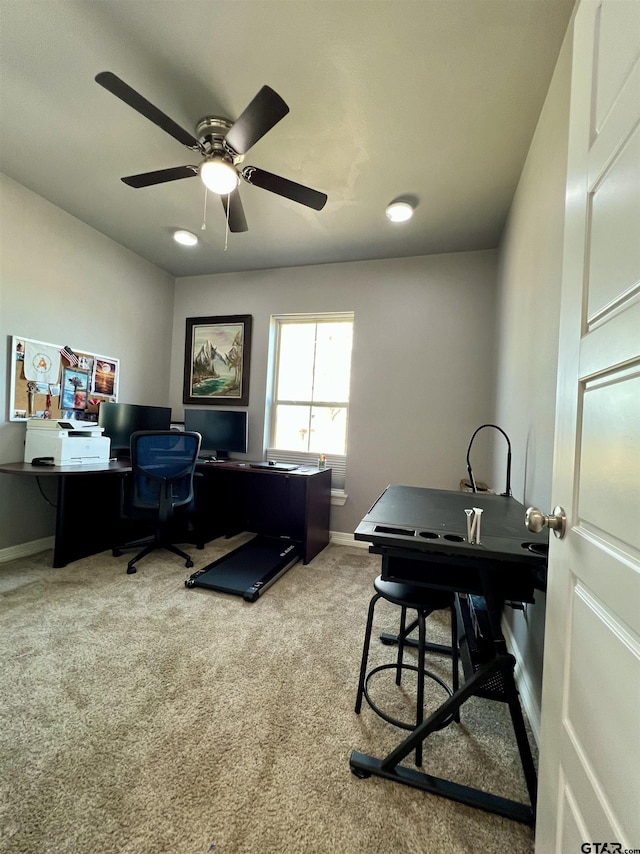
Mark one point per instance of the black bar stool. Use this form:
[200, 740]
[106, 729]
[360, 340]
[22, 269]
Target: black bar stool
[424, 601]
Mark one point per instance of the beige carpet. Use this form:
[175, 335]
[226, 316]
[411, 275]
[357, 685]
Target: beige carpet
[140, 716]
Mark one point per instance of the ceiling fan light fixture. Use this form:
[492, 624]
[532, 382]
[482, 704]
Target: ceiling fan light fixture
[185, 238]
[399, 211]
[219, 176]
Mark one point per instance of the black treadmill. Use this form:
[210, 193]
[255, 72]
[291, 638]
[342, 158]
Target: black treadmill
[249, 570]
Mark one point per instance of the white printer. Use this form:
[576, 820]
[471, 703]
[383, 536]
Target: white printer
[67, 442]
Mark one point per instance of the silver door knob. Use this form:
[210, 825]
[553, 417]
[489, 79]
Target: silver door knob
[535, 521]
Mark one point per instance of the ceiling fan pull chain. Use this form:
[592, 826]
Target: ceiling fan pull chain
[204, 213]
[226, 230]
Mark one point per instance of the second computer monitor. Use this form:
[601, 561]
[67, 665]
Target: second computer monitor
[120, 420]
[223, 432]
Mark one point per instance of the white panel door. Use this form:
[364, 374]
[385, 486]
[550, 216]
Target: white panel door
[589, 781]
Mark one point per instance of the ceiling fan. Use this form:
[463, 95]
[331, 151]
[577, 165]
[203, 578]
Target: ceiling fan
[222, 144]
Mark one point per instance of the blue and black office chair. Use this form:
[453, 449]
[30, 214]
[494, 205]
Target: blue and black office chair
[160, 488]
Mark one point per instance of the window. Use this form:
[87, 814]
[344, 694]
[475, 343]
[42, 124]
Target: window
[310, 400]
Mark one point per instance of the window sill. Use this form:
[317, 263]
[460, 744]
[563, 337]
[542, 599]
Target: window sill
[338, 497]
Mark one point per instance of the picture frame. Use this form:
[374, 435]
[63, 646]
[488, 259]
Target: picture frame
[105, 376]
[217, 360]
[74, 388]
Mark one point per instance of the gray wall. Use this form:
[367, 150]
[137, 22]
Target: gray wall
[529, 281]
[423, 366]
[64, 283]
[423, 369]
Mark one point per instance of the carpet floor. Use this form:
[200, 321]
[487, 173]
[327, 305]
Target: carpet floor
[141, 717]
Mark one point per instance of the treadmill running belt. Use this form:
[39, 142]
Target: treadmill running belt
[250, 569]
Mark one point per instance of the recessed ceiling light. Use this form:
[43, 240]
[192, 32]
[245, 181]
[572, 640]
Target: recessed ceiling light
[186, 238]
[399, 211]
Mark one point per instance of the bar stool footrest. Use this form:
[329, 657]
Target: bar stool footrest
[389, 718]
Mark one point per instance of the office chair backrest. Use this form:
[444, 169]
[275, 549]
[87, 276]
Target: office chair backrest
[163, 463]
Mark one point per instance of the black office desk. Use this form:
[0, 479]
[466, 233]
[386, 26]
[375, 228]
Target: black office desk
[421, 537]
[230, 498]
[87, 501]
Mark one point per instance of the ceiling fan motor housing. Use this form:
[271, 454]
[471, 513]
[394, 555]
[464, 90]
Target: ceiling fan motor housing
[211, 132]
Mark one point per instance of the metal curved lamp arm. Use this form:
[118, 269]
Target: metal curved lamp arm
[471, 478]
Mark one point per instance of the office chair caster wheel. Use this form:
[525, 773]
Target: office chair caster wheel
[131, 570]
[189, 564]
[360, 774]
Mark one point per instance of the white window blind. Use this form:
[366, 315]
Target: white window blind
[337, 464]
[309, 400]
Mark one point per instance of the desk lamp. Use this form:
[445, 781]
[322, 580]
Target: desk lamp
[474, 488]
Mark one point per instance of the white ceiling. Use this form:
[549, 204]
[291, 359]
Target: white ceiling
[432, 99]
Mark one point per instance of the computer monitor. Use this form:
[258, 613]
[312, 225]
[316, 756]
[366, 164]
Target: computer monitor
[223, 431]
[120, 420]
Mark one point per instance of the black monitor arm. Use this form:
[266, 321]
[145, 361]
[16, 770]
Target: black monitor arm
[507, 491]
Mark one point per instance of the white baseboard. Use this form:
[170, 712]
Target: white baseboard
[523, 683]
[340, 538]
[26, 549]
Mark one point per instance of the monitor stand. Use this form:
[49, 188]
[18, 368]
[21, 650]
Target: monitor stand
[250, 569]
